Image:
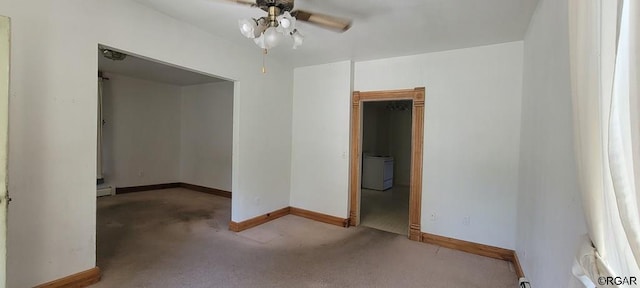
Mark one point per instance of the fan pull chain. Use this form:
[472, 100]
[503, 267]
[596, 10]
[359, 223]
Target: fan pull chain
[264, 56]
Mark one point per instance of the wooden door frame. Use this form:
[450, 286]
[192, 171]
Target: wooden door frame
[417, 138]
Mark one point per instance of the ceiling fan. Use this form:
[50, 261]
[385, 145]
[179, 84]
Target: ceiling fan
[281, 19]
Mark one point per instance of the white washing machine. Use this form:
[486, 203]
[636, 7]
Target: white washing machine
[377, 172]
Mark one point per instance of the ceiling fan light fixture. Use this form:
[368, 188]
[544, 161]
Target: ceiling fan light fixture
[280, 22]
[282, 17]
[272, 37]
[248, 27]
[286, 23]
[298, 38]
[260, 42]
[267, 32]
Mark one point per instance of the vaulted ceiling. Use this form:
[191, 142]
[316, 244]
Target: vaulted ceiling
[381, 28]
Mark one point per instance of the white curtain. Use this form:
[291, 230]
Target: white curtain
[99, 148]
[604, 54]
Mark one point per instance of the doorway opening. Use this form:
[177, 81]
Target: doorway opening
[386, 165]
[361, 100]
[166, 133]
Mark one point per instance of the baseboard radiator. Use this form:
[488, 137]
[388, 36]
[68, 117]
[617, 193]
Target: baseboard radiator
[106, 191]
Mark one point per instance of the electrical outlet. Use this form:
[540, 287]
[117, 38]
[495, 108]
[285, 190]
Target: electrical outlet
[466, 220]
[434, 216]
[141, 173]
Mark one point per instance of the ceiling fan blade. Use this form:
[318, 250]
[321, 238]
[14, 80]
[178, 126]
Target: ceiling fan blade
[325, 21]
[251, 3]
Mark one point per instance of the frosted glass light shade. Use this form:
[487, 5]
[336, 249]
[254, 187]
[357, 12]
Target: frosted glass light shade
[260, 42]
[272, 37]
[267, 34]
[248, 28]
[298, 38]
[286, 23]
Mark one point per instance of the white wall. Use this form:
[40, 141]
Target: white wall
[141, 140]
[319, 161]
[159, 133]
[52, 138]
[206, 135]
[550, 218]
[471, 137]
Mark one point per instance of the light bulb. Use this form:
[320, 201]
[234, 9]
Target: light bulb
[248, 27]
[285, 23]
[272, 37]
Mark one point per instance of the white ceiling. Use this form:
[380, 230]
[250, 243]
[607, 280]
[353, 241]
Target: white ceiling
[154, 71]
[381, 28]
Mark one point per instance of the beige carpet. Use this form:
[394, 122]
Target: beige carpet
[179, 238]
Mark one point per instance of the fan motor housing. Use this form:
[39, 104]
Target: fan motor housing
[284, 5]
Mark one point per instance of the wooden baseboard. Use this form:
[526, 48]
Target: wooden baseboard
[244, 225]
[320, 217]
[476, 248]
[207, 190]
[516, 265]
[213, 191]
[123, 190]
[78, 280]
[470, 247]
